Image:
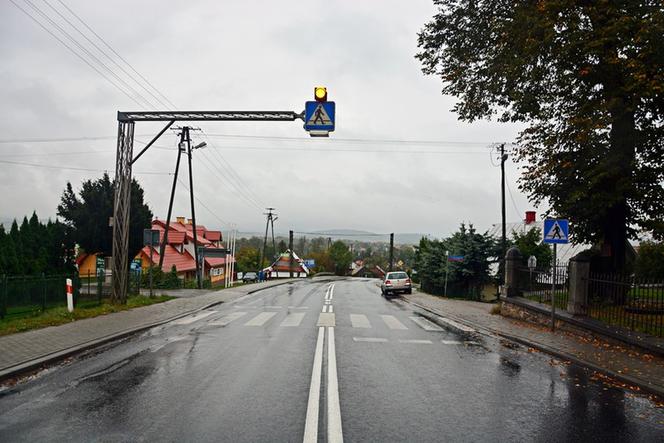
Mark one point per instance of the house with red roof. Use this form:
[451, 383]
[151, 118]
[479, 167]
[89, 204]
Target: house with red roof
[179, 250]
[281, 268]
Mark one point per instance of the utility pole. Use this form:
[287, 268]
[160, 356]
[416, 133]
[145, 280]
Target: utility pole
[290, 249]
[503, 158]
[233, 256]
[274, 247]
[391, 251]
[269, 215]
[162, 247]
[199, 283]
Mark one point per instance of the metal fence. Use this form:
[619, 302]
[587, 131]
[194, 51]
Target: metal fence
[29, 294]
[622, 300]
[538, 284]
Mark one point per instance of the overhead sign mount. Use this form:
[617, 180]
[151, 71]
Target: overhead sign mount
[319, 115]
[556, 231]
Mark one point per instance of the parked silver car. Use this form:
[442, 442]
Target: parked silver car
[396, 282]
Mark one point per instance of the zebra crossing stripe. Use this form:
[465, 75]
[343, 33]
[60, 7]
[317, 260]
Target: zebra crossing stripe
[260, 319]
[393, 323]
[360, 321]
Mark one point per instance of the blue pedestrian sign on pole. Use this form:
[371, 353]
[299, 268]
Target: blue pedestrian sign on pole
[319, 117]
[556, 231]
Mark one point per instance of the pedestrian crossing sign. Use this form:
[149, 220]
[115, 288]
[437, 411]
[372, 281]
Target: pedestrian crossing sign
[556, 231]
[319, 117]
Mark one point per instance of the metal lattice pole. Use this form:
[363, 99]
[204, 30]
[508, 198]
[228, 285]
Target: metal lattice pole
[121, 206]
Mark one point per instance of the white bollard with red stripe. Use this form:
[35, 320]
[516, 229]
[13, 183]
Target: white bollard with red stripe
[70, 296]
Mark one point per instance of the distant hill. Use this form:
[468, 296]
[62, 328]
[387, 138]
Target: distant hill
[349, 234]
[366, 236]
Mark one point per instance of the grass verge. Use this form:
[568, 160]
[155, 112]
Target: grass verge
[60, 315]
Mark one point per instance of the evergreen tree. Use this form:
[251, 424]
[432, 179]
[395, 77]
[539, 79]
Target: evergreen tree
[88, 216]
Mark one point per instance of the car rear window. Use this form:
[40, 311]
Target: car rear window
[398, 275]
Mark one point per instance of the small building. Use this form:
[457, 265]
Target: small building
[179, 251]
[369, 271]
[281, 268]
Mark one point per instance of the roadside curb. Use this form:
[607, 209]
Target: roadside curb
[642, 385]
[29, 365]
[53, 357]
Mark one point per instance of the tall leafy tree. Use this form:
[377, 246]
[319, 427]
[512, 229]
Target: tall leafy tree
[341, 257]
[587, 78]
[88, 213]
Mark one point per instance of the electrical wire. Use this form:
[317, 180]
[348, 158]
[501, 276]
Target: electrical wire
[239, 189]
[234, 173]
[73, 168]
[116, 53]
[76, 53]
[223, 222]
[87, 52]
[102, 51]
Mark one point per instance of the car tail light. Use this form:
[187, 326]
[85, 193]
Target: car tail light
[387, 282]
[408, 280]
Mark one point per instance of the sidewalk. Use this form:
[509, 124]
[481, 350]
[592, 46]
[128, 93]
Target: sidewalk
[28, 350]
[626, 365]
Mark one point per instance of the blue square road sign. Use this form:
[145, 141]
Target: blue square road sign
[556, 230]
[319, 116]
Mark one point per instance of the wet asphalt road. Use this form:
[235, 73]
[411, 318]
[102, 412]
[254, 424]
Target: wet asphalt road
[248, 371]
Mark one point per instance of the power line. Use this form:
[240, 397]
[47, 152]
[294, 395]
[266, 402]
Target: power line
[234, 174]
[116, 53]
[101, 50]
[76, 53]
[87, 52]
[265, 137]
[223, 222]
[361, 140]
[226, 180]
[73, 168]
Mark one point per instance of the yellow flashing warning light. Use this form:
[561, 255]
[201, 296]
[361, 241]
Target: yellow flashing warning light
[320, 93]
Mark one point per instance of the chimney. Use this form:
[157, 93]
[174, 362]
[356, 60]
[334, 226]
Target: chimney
[180, 220]
[189, 221]
[530, 217]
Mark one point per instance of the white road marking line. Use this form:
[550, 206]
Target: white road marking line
[392, 322]
[293, 319]
[311, 422]
[451, 342]
[330, 309]
[226, 319]
[416, 341]
[260, 319]
[328, 302]
[331, 291]
[324, 308]
[273, 307]
[359, 321]
[326, 319]
[193, 318]
[334, 431]
[370, 339]
[426, 324]
[298, 307]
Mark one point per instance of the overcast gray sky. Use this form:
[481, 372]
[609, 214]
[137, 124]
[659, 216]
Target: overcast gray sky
[251, 55]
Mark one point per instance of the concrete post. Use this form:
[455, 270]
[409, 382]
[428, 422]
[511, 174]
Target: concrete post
[579, 271]
[512, 263]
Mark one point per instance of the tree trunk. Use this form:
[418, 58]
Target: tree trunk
[619, 167]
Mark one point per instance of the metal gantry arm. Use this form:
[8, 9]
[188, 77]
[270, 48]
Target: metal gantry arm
[154, 116]
[123, 166]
